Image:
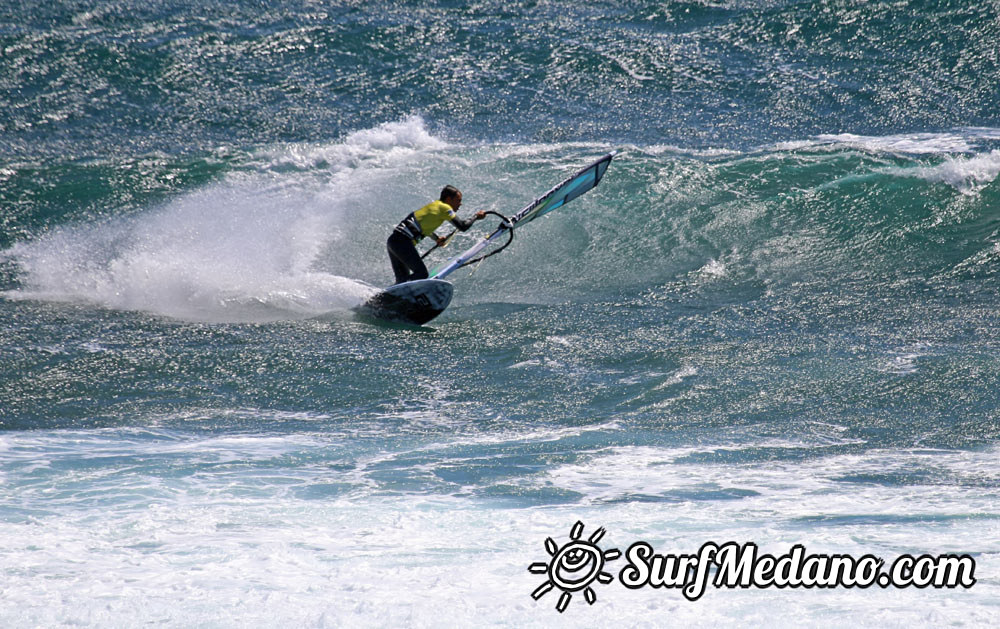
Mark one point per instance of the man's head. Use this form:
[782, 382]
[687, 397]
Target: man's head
[452, 196]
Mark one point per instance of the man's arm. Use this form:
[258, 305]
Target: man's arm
[464, 225]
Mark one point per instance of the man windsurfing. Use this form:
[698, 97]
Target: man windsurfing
[402, 243]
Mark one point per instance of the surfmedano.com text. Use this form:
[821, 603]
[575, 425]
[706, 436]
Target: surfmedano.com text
[744, 566]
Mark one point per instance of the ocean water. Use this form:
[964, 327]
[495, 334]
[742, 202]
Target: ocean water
[775, 321]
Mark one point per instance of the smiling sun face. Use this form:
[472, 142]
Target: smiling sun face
[574, 567]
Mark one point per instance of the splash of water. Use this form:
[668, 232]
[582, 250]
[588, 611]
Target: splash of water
[258, 245]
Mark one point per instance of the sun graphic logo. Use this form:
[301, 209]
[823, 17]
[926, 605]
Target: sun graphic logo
[574, 567]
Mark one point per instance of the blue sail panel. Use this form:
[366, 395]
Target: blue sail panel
[583, 181]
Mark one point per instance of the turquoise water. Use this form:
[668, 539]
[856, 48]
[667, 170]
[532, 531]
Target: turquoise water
[775, 321]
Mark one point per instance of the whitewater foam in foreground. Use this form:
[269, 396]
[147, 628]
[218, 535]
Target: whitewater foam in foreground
[125, 527]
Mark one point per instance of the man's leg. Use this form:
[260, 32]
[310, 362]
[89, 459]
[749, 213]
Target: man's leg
[406, 262]
[399, 269]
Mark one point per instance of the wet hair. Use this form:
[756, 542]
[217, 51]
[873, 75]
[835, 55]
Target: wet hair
[449, 192]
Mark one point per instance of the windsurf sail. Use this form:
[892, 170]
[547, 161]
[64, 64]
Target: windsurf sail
[586, 179]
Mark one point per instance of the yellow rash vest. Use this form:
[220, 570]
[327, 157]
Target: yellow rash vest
[424, 221]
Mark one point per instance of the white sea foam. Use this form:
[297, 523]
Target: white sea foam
[713, 268]
[125, 530]
[913, 143]
[387, 144]
[959, 141]
[962, 167]
[967, 174]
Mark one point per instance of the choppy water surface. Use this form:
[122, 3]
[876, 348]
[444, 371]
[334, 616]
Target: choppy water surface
[774, 321]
